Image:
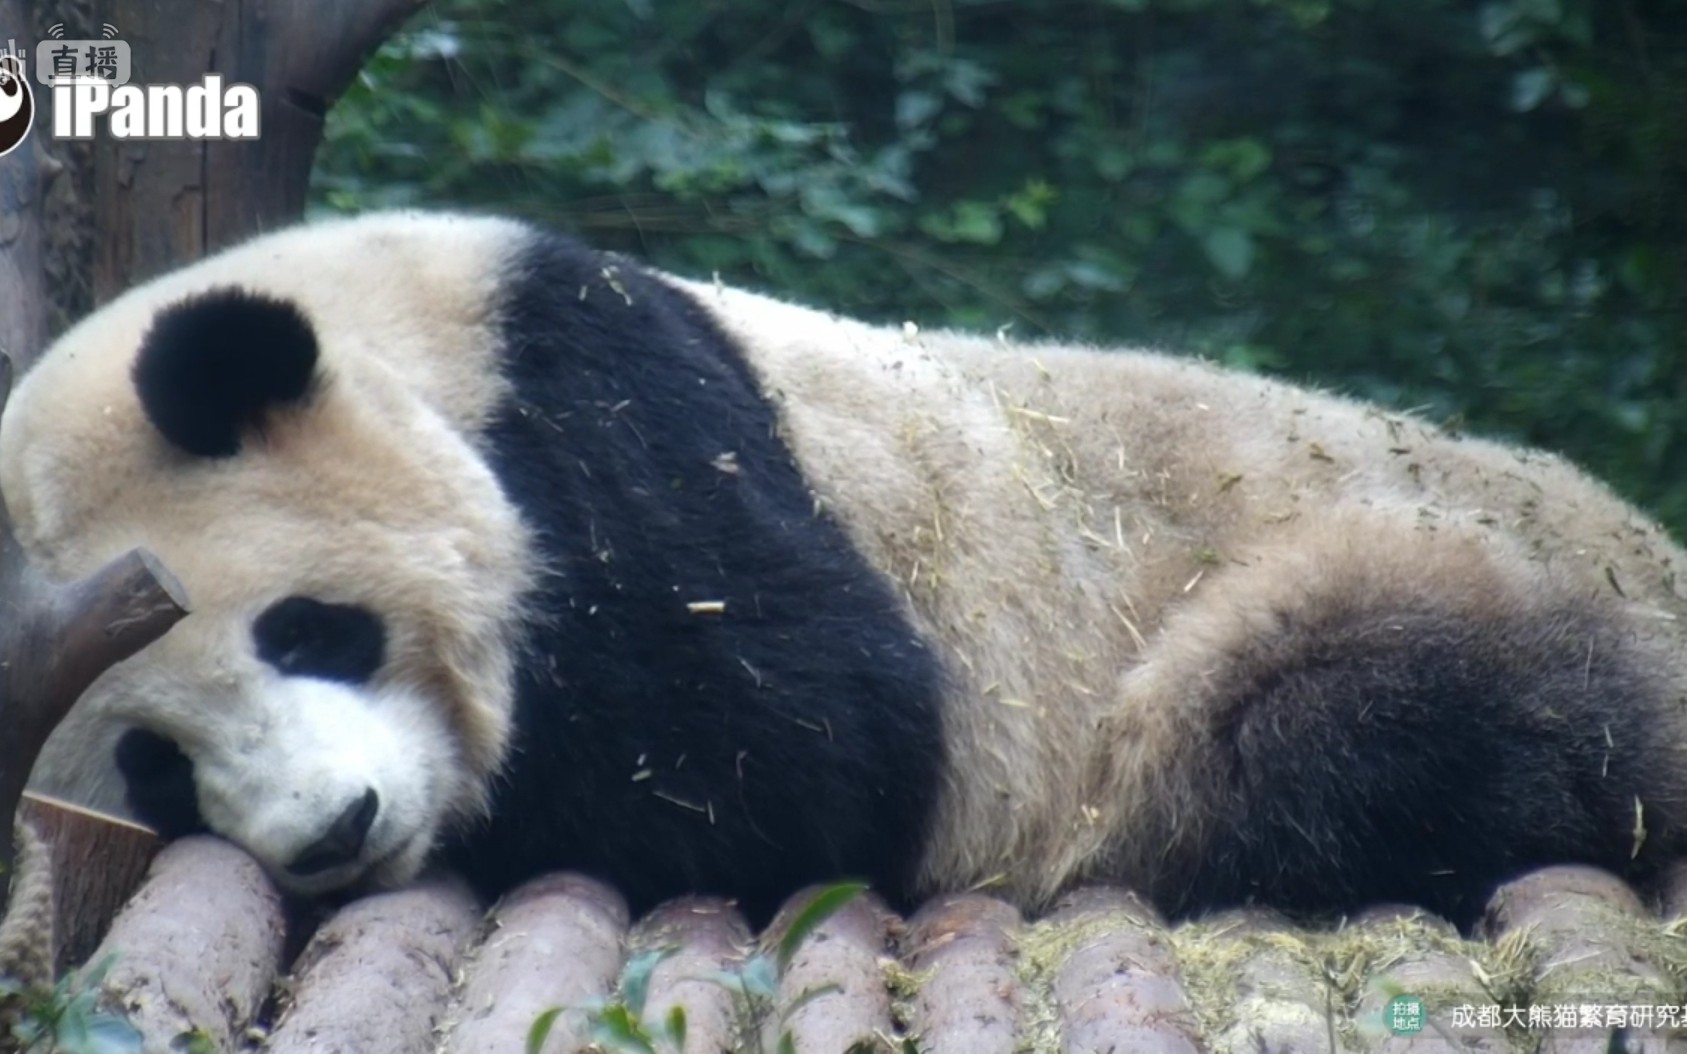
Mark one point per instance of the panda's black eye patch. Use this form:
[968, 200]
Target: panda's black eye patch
[304, 637]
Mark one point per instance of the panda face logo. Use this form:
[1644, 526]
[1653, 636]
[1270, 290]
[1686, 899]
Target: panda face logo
[17, 104]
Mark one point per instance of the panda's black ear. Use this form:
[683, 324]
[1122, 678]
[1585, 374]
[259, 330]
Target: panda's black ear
[212, 365]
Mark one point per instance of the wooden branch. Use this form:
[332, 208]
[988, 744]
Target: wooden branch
[159, 203]
[58, 637]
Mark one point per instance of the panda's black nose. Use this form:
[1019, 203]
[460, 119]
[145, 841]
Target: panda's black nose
[343, 841]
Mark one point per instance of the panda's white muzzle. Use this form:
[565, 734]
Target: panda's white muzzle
[328, 785]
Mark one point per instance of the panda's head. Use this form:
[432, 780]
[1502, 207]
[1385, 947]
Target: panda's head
[340, 694]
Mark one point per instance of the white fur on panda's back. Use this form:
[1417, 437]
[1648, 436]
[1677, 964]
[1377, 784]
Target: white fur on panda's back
[1047, 510]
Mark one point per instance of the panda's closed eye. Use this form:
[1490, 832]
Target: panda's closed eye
[304, 637]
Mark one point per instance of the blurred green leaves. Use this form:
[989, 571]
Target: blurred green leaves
[1469, 207]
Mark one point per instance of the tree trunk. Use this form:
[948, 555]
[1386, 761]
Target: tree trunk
[23, 183]
[159, 203]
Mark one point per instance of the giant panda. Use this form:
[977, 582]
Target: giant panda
[507, 555]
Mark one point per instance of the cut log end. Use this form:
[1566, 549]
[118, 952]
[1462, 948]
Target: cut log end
[97, 862]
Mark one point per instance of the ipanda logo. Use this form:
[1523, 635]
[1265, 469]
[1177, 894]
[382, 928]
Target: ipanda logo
[89, 80]
[206, 110]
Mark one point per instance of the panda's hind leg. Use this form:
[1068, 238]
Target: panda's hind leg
[1398, 716]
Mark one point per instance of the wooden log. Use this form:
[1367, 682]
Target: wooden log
[833, 994]
[195, 952]
[1595, 944]
[97, 860]
[378, 975]
[1119, 988]
[960, 950]
[555, 942]
[708, 939]
[1437, 973]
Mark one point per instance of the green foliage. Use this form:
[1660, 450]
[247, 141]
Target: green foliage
[821, 907]
[620, 1025]
[1465, 206]
[541, 1029]
[65, 1019]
